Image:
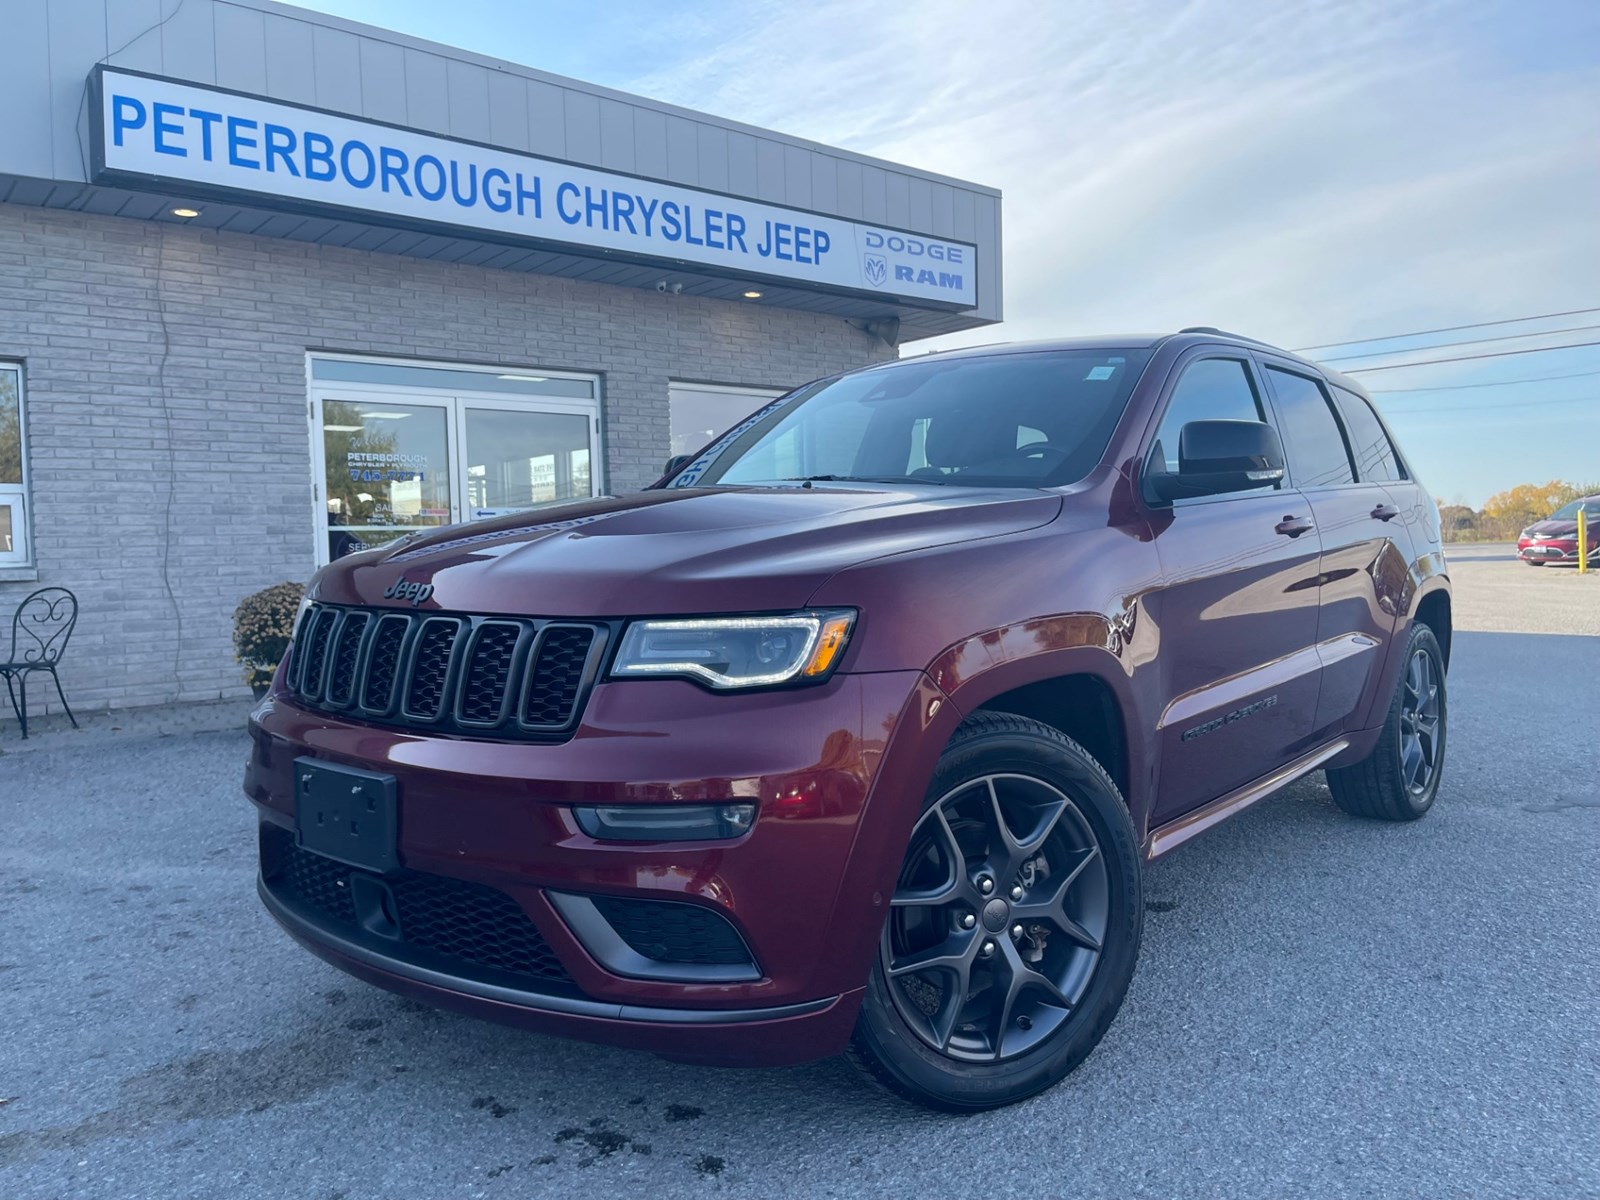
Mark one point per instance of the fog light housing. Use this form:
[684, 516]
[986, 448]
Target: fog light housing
[666, 822]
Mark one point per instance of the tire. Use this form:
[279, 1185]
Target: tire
[1065, 871]
[1384, 786]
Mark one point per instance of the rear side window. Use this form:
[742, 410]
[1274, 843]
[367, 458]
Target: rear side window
[1213, 389]
[1316, 447]
[1374, 453]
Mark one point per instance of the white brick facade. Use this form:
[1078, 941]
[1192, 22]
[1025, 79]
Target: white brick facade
[165, 376]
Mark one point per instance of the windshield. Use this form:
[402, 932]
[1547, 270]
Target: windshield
[1569, 512]
[1033, 419]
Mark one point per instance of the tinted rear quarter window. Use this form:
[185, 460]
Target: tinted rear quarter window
[1374, 453]
[1315, 442]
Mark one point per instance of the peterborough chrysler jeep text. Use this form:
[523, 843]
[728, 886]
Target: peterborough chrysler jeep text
[855, 731]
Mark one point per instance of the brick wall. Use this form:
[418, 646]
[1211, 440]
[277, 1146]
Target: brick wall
[170, 460]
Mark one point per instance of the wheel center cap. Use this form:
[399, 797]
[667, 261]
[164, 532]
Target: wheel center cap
[995, 915]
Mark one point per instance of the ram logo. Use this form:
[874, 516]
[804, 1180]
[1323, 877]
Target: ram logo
[876, 269]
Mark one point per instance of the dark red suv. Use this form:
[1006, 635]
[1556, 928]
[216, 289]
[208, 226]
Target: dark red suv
[856, 731]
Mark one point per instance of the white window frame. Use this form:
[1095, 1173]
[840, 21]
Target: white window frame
[454, 401]
[15, 495]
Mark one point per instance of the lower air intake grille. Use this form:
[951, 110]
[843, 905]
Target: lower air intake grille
[444, 923]
[670, 932]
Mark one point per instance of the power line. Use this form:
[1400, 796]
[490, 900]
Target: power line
[1458, 409]
[1505, 337]
[1431, 362]
[1457, 387]
[1576, 312]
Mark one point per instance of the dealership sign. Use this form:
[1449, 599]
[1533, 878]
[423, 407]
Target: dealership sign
[199, 140]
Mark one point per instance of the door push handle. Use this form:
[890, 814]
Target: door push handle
[1385, 512]
[1292, 526]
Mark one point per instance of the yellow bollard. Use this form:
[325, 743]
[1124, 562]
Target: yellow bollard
[1583, 541]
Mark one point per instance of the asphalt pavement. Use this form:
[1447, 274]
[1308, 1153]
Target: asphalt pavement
[1324, 1006]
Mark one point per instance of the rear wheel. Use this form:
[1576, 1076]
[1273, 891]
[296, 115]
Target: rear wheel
[1400, 778]
[1014, 925]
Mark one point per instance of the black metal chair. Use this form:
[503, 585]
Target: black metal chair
[40, 631]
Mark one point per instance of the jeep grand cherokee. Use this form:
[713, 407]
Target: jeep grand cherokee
[855, 732]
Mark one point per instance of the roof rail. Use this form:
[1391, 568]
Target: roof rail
[1229, 334]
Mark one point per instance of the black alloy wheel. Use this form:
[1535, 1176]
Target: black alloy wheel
[1421, 708]
[998, 919]
[1013, 926]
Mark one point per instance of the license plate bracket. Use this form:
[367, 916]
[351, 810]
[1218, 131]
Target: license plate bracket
[347, 814]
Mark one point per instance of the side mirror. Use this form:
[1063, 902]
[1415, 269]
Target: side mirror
[675, 464]
[1216, 457]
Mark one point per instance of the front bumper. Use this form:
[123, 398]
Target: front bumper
[803, 889]
[1560, 550]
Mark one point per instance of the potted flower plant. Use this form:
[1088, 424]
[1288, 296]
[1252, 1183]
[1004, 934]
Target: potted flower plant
[262, 626]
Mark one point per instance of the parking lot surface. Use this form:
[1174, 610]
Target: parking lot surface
[1324, 1006]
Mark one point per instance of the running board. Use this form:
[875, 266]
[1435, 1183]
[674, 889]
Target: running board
[1175, 833]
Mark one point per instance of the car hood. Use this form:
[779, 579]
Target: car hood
[689, 550]
[1550, 527]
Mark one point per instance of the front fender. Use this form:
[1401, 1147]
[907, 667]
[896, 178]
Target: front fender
[960, 680]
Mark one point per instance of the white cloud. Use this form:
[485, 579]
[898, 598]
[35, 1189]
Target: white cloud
[1305, 172]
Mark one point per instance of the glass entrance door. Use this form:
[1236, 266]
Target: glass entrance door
[516, 459]
[402, 447]
[388, 469]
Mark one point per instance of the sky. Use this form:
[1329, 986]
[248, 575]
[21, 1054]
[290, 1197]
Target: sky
[1317, 172]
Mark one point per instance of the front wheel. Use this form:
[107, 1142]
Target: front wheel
[1014, 925]
[1399, 780]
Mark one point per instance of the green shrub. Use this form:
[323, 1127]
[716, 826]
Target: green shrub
[262, 626]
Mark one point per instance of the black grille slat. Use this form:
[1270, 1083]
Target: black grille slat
[383, 662]
[313, 676]
[490, 676]
[452, 921]
[560, 662]
[673, 932]
[488, 671]
[346, 657]
[430, 669]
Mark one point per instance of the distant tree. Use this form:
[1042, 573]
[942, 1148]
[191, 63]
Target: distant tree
[1457, 518]
[1528, 502]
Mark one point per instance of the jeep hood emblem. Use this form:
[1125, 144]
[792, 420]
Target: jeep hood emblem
[402, 589]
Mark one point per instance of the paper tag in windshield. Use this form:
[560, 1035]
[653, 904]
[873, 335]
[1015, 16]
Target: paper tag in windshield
[1100, 373]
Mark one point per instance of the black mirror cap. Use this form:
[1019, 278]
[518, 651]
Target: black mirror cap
[675, 464]
[1216, 457]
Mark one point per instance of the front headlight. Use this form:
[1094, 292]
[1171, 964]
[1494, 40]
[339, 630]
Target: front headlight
[736, 652]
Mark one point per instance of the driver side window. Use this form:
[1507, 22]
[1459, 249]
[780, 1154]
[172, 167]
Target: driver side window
[1212, 389]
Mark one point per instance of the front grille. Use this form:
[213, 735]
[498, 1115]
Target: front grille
[443, 923]
[503, 677]
[672, 932]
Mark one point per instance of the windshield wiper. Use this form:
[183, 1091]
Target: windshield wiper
[856, 479]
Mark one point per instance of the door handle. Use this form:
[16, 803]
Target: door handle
[1292, 526]
[1385, 512]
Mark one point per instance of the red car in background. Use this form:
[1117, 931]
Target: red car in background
[1555, 539]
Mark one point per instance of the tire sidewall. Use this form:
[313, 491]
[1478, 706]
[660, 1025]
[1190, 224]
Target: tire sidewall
[963, 1086]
